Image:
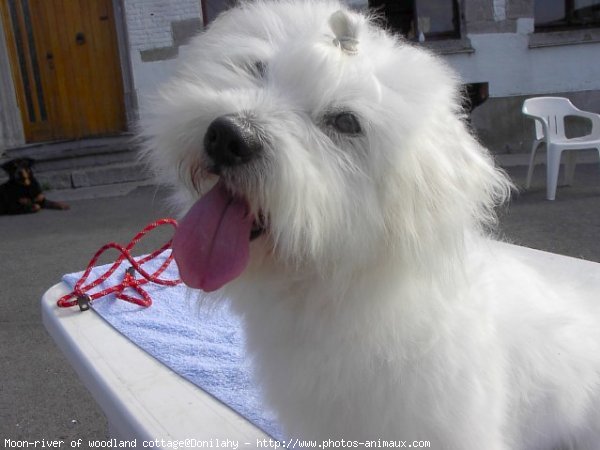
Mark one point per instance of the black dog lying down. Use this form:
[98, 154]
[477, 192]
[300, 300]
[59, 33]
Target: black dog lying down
[22, 193]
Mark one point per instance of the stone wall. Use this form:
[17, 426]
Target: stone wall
[502, 127]
[156, 31]
[499, 46]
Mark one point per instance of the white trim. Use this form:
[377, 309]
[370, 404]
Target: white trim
[129, 93]
[11, 126]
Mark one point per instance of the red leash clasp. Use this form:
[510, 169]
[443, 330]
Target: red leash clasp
[78, 296]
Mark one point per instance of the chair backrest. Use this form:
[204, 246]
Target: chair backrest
[552, 110]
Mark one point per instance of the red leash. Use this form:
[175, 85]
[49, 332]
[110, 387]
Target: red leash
[78, 295]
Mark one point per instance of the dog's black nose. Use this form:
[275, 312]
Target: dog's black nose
[231, 140]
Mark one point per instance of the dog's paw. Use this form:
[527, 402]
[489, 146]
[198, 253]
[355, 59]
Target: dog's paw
[49, 204]
[62, 206]
[24, 201]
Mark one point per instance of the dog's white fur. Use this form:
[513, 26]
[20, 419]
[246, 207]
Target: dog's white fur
[375, 305]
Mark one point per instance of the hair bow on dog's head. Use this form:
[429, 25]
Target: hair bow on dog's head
[345, 30]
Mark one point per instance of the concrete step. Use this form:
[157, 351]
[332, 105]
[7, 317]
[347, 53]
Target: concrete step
[87, 160]
[102, 191]
[84, 163]
[84, 177]
[77, 154]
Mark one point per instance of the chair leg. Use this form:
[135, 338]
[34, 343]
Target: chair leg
[534, 148]
[570, 167]
[552, 167]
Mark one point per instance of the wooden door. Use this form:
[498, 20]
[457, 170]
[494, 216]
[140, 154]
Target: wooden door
[65, 62]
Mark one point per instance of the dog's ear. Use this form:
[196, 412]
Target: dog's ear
[28, 162]
[9, 166]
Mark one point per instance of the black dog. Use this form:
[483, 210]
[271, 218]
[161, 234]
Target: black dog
[22, 193]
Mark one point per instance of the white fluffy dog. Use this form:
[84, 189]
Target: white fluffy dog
[336, 197]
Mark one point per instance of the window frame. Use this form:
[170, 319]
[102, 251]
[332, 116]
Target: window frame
[567, 23]
[453, 34]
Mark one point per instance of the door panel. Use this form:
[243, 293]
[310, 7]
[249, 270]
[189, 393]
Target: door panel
[24, 58]
[65, 61]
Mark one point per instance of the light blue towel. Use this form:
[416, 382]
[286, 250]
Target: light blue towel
[204, 346]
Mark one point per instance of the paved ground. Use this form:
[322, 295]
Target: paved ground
[40, 395]
[569, 225]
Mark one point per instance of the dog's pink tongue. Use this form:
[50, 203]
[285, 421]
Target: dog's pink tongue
[212, 243]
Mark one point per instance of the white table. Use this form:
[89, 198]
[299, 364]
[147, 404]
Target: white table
[141, 397]
[145, 400]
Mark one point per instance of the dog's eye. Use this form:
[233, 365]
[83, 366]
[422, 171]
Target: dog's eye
[344, 122]
[259, 69]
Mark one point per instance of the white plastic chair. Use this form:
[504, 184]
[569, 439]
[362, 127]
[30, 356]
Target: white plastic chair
[549, 114]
